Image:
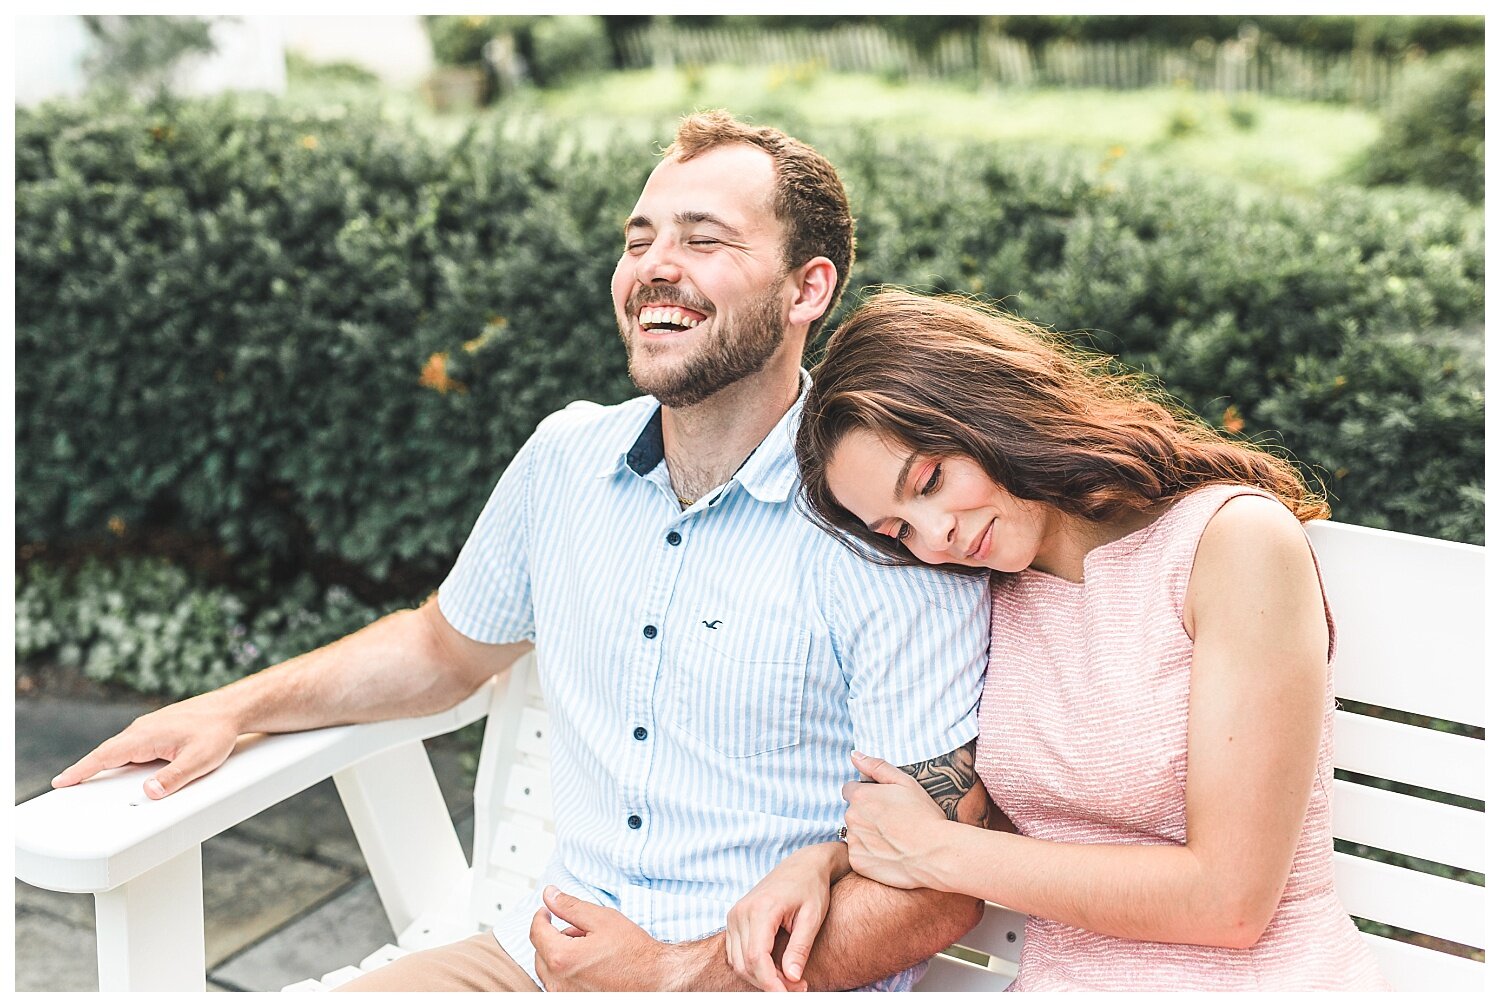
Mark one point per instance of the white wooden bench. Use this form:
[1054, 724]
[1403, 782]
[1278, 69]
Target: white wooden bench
[1411, 640]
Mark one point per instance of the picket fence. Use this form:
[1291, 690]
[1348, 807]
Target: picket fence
[1236, 66]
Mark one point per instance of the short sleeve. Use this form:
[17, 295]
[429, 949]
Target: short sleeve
[914, 644]
[487, 594]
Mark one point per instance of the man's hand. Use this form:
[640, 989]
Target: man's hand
[192, 736]
[600, 950]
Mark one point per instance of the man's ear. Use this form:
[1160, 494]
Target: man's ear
[816, 280]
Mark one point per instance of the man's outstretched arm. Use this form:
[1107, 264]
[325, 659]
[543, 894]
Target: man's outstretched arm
[409, 663]
[870, 932]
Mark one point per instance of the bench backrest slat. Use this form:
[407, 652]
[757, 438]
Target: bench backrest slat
[1405, 753]
[1411, 900]
[1410, 614]
[1410, 825]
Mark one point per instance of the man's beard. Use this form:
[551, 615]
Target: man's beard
[738, 346]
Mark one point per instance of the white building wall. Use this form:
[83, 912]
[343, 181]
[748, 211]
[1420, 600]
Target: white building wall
[393, 47]
[249, 55]
[50, 51]
[49, 57]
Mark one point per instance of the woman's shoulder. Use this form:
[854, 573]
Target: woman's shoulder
[1230, 510]
[1252, 550]
[1172, 541]
[1250, 523]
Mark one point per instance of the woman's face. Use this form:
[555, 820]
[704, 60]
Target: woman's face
[945, 510]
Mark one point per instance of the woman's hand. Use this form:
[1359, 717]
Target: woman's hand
[892, 825]
[794, 897]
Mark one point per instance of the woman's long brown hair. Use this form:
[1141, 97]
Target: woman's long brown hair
[947, 376]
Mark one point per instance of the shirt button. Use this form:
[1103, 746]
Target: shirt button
[640, 734]
[650, 632]
[673, 538]
[634, 821]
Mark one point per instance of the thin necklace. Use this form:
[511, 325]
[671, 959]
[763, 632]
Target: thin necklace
[686, 503]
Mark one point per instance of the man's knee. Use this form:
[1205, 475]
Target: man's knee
[477, 964]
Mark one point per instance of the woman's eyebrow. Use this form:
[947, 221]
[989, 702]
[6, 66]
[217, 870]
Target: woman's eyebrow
[896, 491]
[901, 476]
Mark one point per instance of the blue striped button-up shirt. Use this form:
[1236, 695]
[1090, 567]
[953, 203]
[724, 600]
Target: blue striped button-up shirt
[707, 670]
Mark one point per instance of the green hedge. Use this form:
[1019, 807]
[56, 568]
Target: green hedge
[320, 338]
[223, 319]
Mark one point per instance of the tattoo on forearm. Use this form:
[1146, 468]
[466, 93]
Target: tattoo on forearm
[947, 779]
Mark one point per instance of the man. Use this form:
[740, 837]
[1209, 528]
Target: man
[709, 656]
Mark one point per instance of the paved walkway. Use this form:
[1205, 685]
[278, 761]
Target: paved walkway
[286, 894]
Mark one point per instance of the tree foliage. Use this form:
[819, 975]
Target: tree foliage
[140, 53]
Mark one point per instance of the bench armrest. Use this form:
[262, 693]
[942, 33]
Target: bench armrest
[102, 833]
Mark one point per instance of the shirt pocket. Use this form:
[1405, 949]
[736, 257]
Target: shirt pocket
[740, 684]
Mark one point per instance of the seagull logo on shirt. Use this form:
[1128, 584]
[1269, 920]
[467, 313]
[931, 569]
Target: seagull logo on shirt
[714, 624]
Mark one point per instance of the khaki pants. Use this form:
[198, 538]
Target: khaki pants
[476, 965]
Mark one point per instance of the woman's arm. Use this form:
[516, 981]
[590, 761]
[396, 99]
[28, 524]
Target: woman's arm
[1254, 610]
[793, 898]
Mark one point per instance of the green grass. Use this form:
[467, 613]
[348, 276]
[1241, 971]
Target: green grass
[1281, 145]
[1289, 144]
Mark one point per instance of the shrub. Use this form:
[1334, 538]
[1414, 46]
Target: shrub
[317, 339]
[1183, 122]
[149, 625]
[1242, 113]
[1387, 406]
[459, 39]
[1433, 132]
[335, 73]
[566, 46]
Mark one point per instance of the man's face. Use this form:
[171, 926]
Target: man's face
[701, 292]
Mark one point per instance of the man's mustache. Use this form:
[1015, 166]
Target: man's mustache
[669, 295]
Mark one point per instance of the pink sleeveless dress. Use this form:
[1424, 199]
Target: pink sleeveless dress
[1083, 739]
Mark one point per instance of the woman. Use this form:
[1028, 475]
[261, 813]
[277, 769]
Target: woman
[1155, 725]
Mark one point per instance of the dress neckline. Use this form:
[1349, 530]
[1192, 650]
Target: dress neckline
[1134, 539]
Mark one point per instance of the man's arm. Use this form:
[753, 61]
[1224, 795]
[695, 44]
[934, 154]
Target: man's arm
[871, 931]
[952, 782]
[409, 663]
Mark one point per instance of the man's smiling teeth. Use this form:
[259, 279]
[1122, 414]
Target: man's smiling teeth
[668, 319]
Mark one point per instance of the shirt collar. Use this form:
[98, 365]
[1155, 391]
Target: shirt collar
[768, 474]
[771, 470]
[649, 449]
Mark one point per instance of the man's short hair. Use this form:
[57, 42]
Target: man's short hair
[809, 198]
